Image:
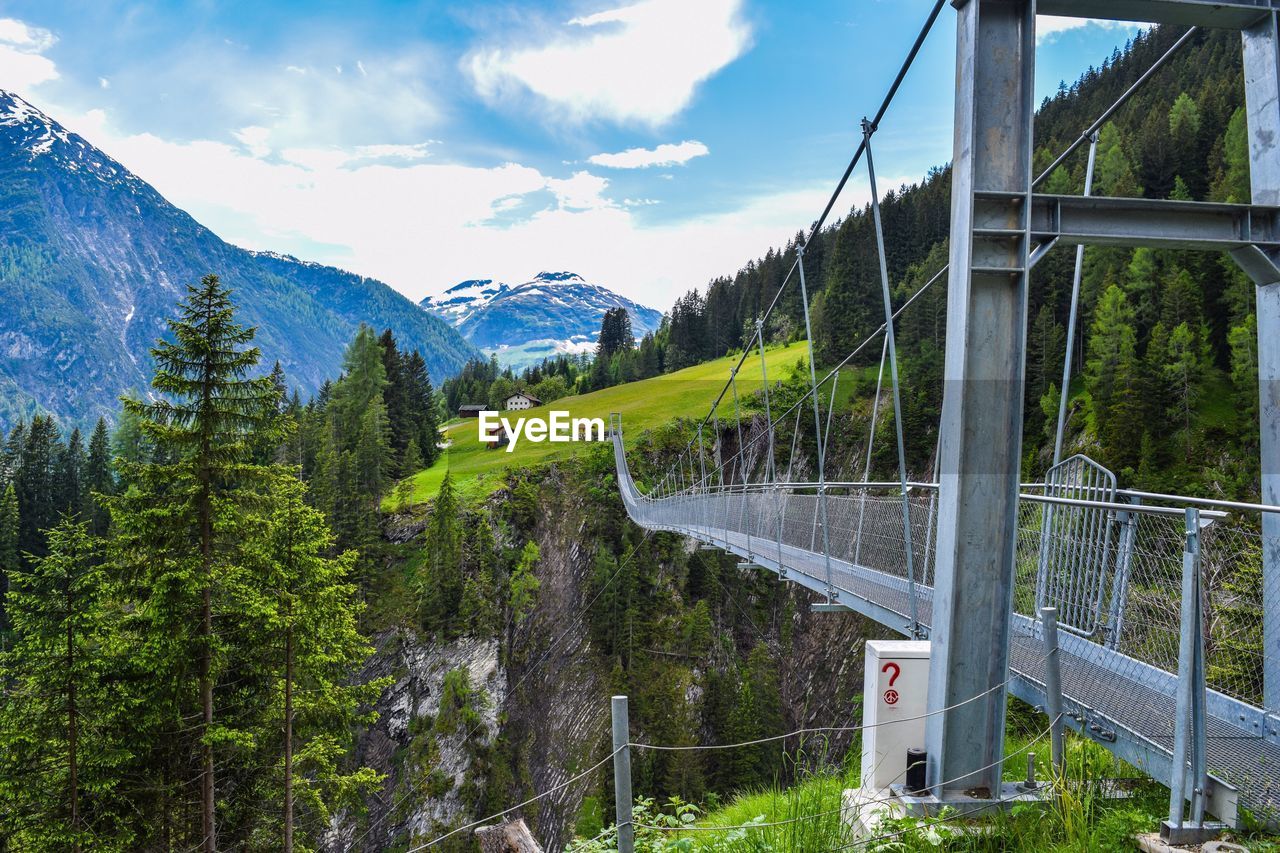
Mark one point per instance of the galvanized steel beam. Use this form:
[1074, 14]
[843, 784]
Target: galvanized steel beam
[982, 402]
[1262, 104]
[1235, 15]
[1090, 220]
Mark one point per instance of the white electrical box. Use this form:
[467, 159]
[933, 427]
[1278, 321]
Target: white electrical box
[895, 690]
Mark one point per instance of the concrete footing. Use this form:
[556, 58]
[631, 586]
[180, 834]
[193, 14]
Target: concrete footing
[1153, 843]
[963, 805]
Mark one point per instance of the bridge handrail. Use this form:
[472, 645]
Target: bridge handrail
[763, 488]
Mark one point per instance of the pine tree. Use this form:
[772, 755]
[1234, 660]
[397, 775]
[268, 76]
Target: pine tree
[1112, 377]
[36, 482]
[98, 478]
[8, 551]
[1182, 373]
[310, 621]
[62, 725]
[185, 523]
[440, 583]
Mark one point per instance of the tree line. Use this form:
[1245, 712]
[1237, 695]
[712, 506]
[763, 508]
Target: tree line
[616, 359]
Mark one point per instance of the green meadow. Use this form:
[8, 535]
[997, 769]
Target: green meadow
[478, 469]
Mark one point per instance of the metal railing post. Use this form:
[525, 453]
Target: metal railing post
[1053, 686]
[622, 775]
[1189, 641]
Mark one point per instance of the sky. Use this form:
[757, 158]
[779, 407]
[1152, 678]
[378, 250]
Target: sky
[648, 145]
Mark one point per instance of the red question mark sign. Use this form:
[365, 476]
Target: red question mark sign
[897, 670]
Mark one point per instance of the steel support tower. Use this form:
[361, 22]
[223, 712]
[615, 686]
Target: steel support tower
[998, 228]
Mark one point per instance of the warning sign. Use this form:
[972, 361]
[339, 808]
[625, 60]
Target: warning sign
[891, 697]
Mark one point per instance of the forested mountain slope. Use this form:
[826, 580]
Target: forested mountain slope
[1166, 388]
[92, 260]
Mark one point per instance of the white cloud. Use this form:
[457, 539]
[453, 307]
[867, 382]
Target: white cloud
[21, 64]
[421, 225]
[395, 212]
[639, 63]
[642, 158]
[255, 139]
[21, 35]
[1050, 27]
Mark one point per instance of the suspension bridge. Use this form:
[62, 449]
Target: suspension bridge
[1169, 653]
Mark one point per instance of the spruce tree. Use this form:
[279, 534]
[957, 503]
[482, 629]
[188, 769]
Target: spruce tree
[98, 478]
[8, 551]
[70, 493]
[1112, 377]
[184, 524]
[440, 583]
[37, 485]
[310, 625]
[63, 723]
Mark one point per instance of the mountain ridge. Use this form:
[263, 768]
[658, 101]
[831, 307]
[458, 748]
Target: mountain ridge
[93, 259]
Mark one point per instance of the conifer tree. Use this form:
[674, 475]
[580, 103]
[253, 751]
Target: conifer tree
[422, 408]
[1244, 370]
[8, 551]
[1112, 377]
[523, 590]
[1182, 375]
[70, 493]
[62, 742]
[1232, 182]
[98, 478]
[183, 524]
[310, 623]
[440, 583]
[1114, 171]
[37, 485]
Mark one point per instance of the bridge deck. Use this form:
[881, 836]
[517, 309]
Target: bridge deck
[1123, 703]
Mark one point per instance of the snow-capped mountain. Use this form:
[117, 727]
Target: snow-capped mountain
[523, 323]
[459, 302]
[93, 261]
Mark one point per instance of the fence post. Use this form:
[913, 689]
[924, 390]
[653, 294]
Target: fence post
[1053, 685]
[1188, 641]
[622, 775]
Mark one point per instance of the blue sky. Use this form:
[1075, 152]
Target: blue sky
[645, 144]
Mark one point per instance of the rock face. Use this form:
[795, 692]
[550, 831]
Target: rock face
[423, 791]
[93, 260]
[545, 718]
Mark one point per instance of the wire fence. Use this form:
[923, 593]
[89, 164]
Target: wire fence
[1117, 570]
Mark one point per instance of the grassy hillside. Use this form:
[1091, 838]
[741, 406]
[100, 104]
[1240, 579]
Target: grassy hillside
[649, 403]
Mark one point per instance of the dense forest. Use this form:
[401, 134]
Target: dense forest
[1167, 337]
[180, 602]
